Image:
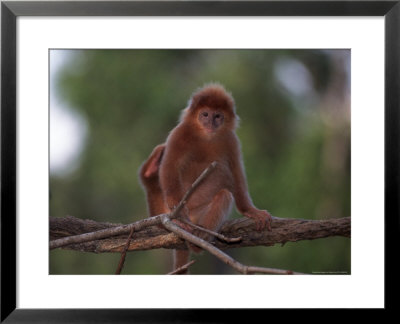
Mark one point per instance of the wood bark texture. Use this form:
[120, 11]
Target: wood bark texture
[152, 237]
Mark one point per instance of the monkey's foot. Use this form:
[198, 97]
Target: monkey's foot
[261, 217]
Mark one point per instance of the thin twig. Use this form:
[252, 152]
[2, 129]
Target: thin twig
[182, 268]
[218, 235]
[108, 232]
[136, 226]
[217, 252]
[123, 254]
[193, 187]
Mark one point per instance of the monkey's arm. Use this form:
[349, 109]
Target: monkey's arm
[240, 192]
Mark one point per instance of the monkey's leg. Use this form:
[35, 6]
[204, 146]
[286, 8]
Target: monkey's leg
[149, 178]
[152, 164]
[212, 219]
[218, 210]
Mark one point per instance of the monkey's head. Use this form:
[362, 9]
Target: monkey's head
[212, 109]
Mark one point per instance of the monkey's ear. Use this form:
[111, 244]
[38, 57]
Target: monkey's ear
[236, 122]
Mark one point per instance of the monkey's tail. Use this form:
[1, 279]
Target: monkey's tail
[181, 257]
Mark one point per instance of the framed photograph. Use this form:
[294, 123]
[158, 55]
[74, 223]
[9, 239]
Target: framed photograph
[90, 88]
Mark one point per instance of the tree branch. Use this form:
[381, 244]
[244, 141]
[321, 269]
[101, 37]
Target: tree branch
[218, 253]
[218, 235]
[137, 226]
[123, 254]
[152, 237]
[182, 269]
[99, 239]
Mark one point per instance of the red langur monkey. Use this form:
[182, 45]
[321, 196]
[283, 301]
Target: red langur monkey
[205, 133]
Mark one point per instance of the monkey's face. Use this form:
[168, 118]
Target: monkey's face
[210, 119]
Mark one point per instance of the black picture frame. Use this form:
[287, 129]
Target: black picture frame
[11, 10]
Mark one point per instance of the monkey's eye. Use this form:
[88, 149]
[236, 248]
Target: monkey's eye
[217, 115]
[205, 114]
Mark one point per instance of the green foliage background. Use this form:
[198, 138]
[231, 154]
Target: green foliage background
[296, 147]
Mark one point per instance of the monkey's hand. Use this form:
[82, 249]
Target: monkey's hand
[261, 217]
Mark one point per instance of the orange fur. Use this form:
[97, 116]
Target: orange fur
[148, 175]
[205, 133]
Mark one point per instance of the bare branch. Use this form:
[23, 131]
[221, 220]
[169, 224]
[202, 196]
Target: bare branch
[283, 230]
[106, 237]
[105, 233]
[137, 226]
[217, 235]
[123, 254]
[182, 268]
[217, 252]
[193, 187]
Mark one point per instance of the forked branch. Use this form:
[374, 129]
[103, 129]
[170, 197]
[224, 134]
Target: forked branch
[218, 253]
[89, 236]
[137, 226]
[283, 230]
